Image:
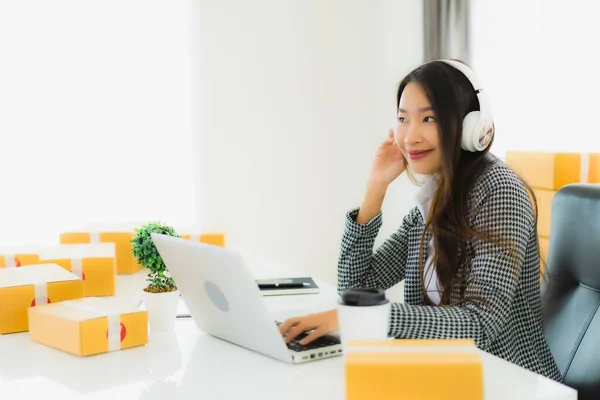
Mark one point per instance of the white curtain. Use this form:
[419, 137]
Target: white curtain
[94, 115]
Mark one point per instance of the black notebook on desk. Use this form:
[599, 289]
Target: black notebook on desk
[287, 286]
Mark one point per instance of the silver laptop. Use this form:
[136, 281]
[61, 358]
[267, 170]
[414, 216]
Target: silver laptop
[225, 301]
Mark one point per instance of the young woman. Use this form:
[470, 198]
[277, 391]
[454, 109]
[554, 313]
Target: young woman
[469, 251]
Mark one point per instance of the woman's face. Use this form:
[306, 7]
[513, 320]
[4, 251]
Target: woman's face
[417, 132]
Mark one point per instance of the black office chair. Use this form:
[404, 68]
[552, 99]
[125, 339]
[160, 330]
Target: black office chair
[571, 288]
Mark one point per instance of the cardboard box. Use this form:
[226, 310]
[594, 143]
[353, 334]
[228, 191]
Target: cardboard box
[32, 286]
[93, 262]
[119, 234]
[217, 239]
[544, 203]
[594, 168]
[88, 326]
[18, 256]
[413, 369]
[544, 244]
[549, 171]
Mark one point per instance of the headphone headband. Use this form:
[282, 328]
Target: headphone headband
[468, 72]
[478, 126]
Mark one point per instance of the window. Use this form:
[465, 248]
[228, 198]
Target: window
[538, 60]
[94, 115]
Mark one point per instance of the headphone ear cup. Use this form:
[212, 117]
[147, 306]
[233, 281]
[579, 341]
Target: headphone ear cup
[469, 139]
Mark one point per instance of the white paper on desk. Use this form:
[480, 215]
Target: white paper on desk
[182, 309]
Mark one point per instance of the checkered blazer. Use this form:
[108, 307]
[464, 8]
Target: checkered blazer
[510, 325]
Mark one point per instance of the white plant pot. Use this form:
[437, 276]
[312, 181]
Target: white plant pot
[162, 309]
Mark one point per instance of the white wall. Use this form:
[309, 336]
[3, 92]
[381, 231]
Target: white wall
[291, 101]
[539, 61]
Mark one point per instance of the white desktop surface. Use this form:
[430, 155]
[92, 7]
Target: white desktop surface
[189, 364]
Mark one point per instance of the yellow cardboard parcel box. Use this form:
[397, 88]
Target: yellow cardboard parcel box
[544, 208]
[88, 326]
[32, 286]
[216, 239]
[119, 234]
[18, 256]
[549, 171]
[95, 263]
[544, 245]
[594, 168]
[413, 369]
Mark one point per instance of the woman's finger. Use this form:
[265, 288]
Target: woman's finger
[298, 329]
[287, 324]
[317, 333]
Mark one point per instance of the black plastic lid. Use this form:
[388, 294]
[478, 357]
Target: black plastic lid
[363, 297]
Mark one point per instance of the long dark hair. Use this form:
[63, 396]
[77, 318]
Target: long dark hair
[452, 97]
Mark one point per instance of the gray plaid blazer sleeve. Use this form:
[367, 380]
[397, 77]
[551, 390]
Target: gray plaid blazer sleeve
[359, 266]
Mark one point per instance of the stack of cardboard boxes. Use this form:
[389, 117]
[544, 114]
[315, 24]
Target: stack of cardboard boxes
[546, 173]
[95, 253]
[63, 294]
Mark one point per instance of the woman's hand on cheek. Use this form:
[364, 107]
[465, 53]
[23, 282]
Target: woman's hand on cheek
[389, 161]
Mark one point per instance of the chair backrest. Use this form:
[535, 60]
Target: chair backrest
[571, 287]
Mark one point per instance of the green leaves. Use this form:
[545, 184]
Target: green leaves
[147, 255]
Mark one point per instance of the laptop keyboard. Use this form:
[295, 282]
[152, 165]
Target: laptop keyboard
[323, 341]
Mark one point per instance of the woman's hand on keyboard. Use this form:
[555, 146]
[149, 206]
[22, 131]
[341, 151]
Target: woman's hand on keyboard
[320, 324]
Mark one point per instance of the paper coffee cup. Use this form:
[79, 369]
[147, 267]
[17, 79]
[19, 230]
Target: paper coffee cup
[363, 314]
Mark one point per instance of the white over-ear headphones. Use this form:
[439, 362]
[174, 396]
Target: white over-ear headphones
[478, 126]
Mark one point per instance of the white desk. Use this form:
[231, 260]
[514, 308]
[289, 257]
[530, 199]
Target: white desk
[188, 364]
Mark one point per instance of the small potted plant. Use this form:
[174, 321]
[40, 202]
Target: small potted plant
[161, 295]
